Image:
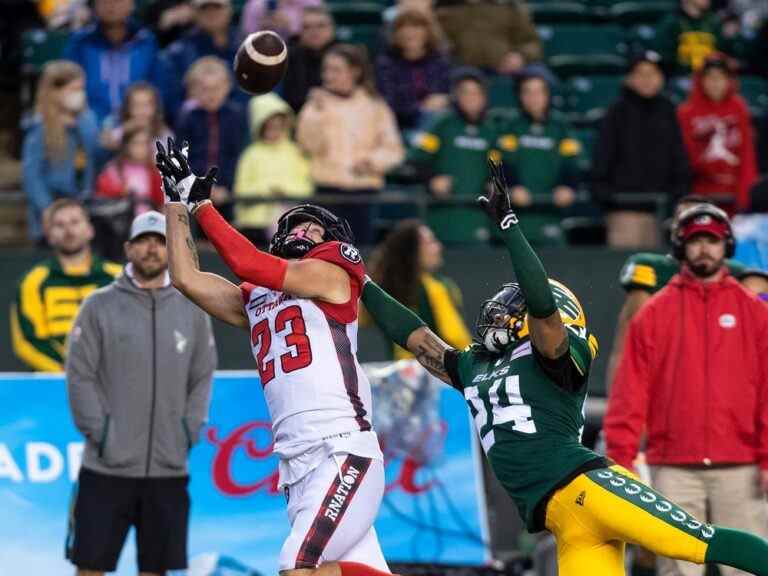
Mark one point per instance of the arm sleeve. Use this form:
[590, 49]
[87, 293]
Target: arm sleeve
[395, 320]
[88, 130]
[569, 150]
[83, 359]
[628, 401]
[245, 260]
[451, 361]
[425, 147]
[200, 378]
[530, 273]
[33, 169]
[29, 327]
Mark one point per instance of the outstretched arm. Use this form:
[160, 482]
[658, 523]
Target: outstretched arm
[214, 294]
[308, 278]
[404, 327]
[548, 333]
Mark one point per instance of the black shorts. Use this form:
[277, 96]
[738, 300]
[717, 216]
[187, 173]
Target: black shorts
[105, 507]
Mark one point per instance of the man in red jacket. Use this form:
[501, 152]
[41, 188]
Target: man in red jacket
[693, 377]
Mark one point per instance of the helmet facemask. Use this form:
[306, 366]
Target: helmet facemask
[497, 336]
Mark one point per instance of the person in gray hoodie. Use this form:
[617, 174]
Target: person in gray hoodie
[139, 371]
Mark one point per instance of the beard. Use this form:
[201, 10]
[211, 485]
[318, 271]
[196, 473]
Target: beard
[71, 248]
[149, 268]
[705, 267]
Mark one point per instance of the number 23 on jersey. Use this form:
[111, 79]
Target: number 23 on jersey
[290, 325]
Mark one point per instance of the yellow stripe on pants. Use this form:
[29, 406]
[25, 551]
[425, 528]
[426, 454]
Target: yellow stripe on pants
[592, 523]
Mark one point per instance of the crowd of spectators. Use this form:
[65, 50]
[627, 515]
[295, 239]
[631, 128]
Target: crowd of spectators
[428, 107]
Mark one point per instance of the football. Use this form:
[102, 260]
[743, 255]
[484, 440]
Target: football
[260, 62]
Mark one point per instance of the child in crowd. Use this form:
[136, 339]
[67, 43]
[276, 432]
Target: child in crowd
[271, 166]
[142, 108]
[132, 174]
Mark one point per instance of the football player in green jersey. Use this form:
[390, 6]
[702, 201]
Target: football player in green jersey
[645, 273]
[525, 381]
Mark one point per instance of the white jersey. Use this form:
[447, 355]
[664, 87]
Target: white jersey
[318, 396]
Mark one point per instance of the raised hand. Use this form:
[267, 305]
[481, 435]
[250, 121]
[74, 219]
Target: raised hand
[174, 167]
[497, 204]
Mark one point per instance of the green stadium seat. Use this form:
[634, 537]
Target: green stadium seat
[581, 48]
[357, 13]
[589, 96]
[545, 12]
[587, 137]
[40, 46]
[754, 89]
[641, 12]
[368, 35]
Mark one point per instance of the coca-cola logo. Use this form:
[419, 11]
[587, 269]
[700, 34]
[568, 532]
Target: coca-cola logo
[255, 439]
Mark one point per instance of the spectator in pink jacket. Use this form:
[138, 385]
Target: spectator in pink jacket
[350, 136]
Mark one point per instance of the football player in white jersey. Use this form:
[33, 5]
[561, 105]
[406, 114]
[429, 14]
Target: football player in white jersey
[299, 303]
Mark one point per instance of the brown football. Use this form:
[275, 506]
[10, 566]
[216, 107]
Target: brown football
[260, 62]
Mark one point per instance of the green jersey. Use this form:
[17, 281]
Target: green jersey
[651, 272]
[529, 412]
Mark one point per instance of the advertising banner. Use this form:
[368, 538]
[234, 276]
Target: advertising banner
[433, 510]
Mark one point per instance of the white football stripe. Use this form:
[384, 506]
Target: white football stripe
[259, 58]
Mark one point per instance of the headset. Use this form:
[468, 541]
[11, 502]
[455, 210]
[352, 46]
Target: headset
[701, 211]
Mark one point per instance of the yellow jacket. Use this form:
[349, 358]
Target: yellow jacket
[269, 168]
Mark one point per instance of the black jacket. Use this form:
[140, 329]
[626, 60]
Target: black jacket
[640, 149]
[303, 74]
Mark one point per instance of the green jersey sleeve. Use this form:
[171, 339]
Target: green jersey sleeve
[570, 371]
[457, 362]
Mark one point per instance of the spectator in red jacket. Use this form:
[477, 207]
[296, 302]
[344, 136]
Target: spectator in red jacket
[717, 130]
[694, 377]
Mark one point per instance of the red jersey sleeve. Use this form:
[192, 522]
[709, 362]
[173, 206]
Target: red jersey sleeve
[347, 257]
[245, 291]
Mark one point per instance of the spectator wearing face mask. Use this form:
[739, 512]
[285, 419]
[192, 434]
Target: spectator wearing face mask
[59, 142]
[639, 150]
[717, 130]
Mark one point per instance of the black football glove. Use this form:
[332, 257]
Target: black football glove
[498, 204]
[177, 175]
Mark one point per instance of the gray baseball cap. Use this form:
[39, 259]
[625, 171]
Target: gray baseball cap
[151, 222]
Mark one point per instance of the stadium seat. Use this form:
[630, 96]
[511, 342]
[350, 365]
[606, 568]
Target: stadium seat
[589, 96]
[645, 12]
[369, 36]
[576, 48]
[754, 89]
[545, 12]
[357, 13]
[587, 137]
[40, 46]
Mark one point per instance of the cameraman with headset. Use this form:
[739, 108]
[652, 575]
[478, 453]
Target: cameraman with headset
[694, 378]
